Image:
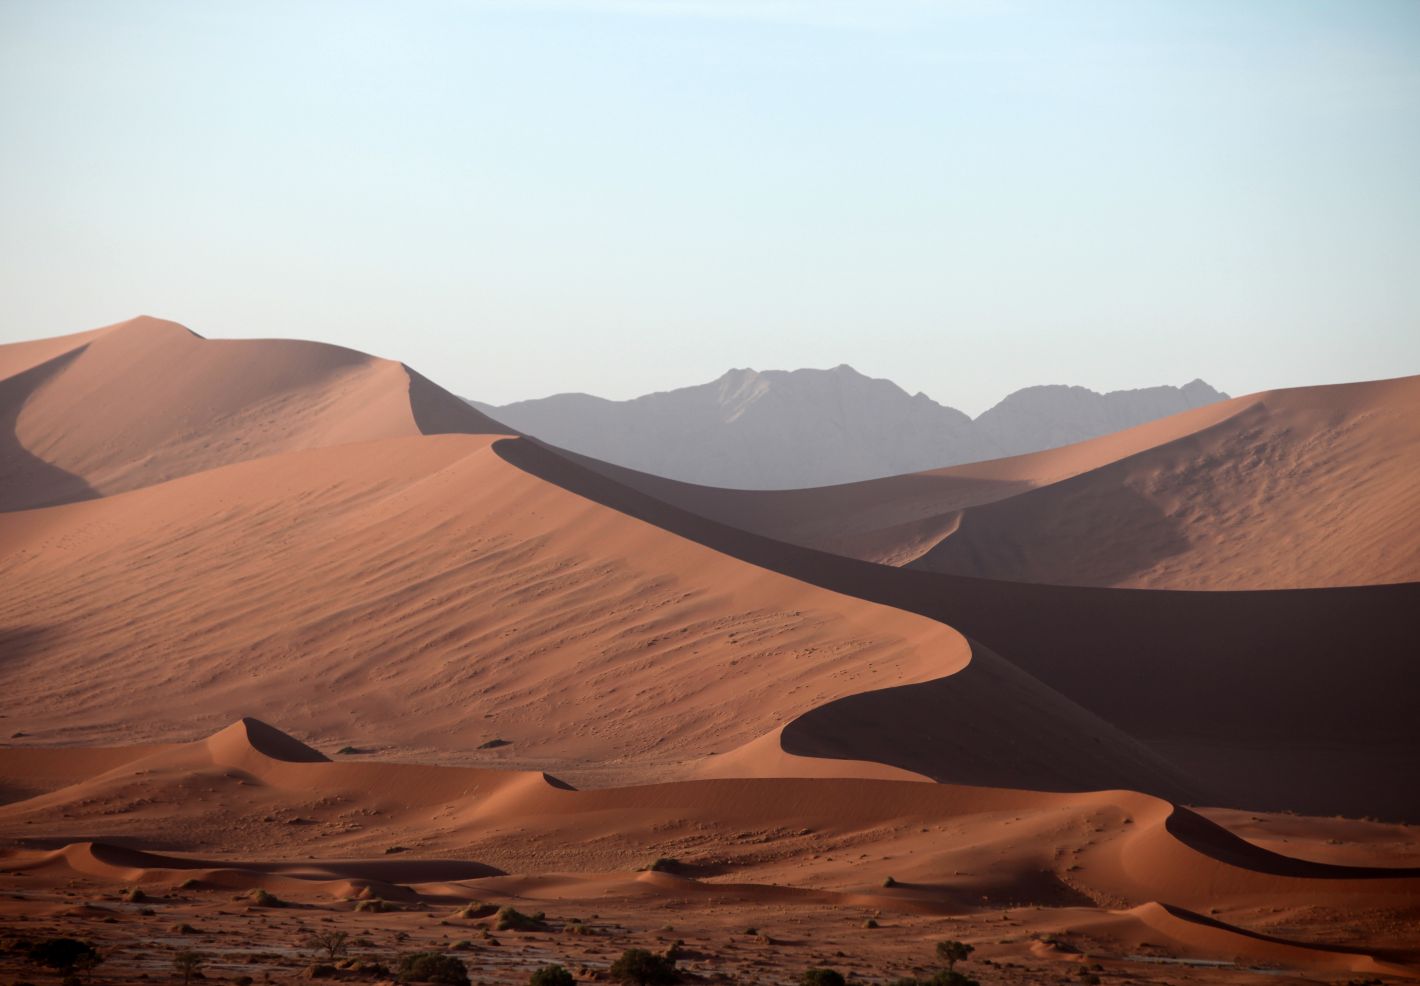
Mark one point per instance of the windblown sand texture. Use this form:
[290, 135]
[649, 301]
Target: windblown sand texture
[282, 616]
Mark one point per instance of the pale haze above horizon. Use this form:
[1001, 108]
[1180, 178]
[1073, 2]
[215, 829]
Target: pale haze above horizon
[625, 196]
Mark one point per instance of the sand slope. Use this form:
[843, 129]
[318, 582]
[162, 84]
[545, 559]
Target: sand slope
[1307, 487]
[1302, 488]
[451, 598]
[1136, 864]
[1245, 689]
[146, 400]
[897, 519]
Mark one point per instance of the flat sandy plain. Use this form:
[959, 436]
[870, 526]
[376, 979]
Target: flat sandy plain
[283, 617]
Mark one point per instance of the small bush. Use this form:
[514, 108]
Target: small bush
[821, 977]
[638, 967]
[135, 895]
[432, 967]
[261, 898]
[889, 882]
[666, 864]
[511, 919]
[952, 952]
[330, 943]
[375, 906]
[551, 975]
[65, 954]
[187, 964]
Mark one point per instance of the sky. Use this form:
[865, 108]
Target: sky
[622, 196]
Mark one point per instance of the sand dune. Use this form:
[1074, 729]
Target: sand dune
[599, 668]
[948, 847]
[146, 400]
[1226, 684]
[1303, 488]
[895, 520]
[431, 573]
[1213, 498]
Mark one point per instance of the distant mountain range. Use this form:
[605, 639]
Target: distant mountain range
[786, 429]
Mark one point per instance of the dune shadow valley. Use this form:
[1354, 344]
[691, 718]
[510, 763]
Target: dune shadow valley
[314, 671]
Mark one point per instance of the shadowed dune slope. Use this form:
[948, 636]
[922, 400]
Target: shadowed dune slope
[1303, 488]
[450, 598]
[895, 520]
[952, 844]
[1299, 488]
[146, 400]
[1287, 699]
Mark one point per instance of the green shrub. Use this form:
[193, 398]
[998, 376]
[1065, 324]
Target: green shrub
[432, 967]
[551, 975]
[638, 967]
[821, 977]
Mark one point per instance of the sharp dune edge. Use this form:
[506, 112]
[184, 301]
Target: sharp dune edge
[797, 694]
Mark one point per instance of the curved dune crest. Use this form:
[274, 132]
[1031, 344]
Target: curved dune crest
[1304, 487]
[895, 520]
[147, 400]
[1309, 487]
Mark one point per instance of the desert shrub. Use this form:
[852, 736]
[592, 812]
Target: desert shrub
[821, 977]
[65, 954]
[870, 923]
[889, 882]
[135, 895]
[551, 975]
[666, 864]
[262, 898]
[375, 906]
[432, 967]
[952, 952]
[638, 967]
[187, 964]
[511, 919]
[948, 977]
[331, 943]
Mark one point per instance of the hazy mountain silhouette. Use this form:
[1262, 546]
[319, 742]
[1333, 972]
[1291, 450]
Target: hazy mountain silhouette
[781, 429]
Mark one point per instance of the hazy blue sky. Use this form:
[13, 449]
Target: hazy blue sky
[519, 198]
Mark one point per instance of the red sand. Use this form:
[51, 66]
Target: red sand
[333, 544]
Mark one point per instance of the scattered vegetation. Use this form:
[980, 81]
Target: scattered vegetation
[187, 964]
[330, 943]
[432, 967]
[511, 919]
[951, 952]
[638, 967]
[551, 975]
[68, 955]
[821, 977]
[375, 905]
[262, 898]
